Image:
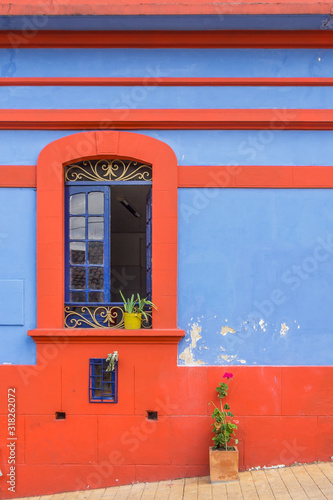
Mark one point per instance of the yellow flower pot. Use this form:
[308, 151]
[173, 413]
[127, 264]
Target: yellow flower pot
[132, 321]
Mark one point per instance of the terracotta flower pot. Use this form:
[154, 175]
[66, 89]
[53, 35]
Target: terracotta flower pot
[223, 464]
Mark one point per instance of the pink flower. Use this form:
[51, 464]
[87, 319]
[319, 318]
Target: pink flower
[227, 375]
[236, 421]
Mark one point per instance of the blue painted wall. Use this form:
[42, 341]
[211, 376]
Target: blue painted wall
[17, 275]
[235, 246]
[255, 276]
[167, 62]
[165, 97]
[198, 147]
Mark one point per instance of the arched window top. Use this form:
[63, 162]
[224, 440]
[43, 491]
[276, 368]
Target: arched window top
[108, 170]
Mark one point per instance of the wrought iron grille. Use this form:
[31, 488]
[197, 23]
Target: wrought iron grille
[100, 316]
[103, 384]
[108, 170]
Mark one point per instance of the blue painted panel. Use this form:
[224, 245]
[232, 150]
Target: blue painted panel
[11, 302]
[184, 22]
[165, 97]
[18, 265]
[198, 147]
[158, 63]
[255, 277]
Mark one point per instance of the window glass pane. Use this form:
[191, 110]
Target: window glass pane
[78, 278]
[77, 226]
[95, 252]
[77, 252]
[96, 203]
[77, 204]
[96, 297]
[96, 278]
[77, 297]
[95, 228]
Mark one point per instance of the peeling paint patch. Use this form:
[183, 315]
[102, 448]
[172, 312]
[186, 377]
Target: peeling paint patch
[227, 329]
[262, 325]
[228, 357]
[187, 357]
[195, 334]
[284, 329]
[243, 361]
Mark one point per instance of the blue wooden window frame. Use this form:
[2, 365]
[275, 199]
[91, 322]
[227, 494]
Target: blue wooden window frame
[86, 241]
[103, 385]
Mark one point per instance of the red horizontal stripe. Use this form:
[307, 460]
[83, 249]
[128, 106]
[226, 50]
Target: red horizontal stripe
[165, 82]
[167, 39]
[167, 7]
[245, 176]
[238, 176]
[167, 119]
[17, 176]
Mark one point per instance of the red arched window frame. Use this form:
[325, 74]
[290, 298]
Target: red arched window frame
[50, 218]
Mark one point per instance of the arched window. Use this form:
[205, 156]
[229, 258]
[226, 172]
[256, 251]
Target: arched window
[53, 288]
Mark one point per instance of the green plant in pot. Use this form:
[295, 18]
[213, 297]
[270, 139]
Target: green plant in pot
[223, 457]
[134, 311]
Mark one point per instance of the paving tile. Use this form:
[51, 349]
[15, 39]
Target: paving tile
[234, 490]
[219, 491]
[292, 484]
[163, 490]
[149, 493]
[71, 495]
[249, 491]
[96, 494]
[325, 486]
[177, 489]
[278, 487]
[83, 495]
[136, 491]
[308, 484]
[327, 469]
[191, 488]
[262, 485]
[205, 489]
[59, 496]
[123, 492]
[110, 493]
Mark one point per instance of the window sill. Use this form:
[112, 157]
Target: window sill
[95, 335]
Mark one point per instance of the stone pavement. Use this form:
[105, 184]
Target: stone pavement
[299, 482]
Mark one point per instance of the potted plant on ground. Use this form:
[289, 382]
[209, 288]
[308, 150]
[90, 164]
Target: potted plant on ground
[223, 457]
[134, 310]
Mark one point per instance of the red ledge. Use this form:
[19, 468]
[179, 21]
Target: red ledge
[167, 119]
[159, 7]
[99, 335]
[167, 39]
[164, 82]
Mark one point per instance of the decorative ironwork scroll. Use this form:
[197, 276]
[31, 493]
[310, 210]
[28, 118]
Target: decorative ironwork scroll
[108, 170]
[110, 317]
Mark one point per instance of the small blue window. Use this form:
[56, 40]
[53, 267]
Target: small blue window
[103, 384]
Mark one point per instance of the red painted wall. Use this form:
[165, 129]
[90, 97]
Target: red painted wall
[285, 416]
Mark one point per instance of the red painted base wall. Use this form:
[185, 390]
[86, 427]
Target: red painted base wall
[285, 416]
